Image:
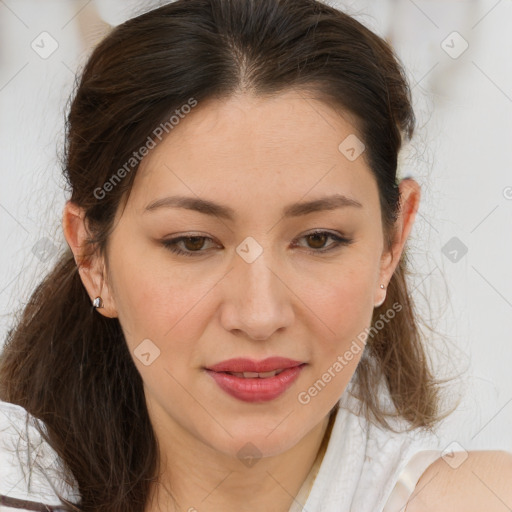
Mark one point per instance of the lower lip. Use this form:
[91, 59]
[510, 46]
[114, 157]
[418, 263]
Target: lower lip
[256, 390]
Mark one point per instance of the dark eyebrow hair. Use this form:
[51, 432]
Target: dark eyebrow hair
[225, 212]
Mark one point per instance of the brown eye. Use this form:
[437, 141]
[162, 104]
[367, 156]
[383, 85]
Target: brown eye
[194, 243]
[318, 240]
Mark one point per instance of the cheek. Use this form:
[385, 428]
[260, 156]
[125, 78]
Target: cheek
[342, 297]
[342, 313]
[155, 300]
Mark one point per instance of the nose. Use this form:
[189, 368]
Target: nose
[257, 301]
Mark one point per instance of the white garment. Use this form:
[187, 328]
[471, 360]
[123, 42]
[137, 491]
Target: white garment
[362, 467]
[367, 468]
[21, 446]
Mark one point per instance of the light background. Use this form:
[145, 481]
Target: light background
[461, 156]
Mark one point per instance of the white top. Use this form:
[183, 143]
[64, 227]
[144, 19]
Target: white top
[364, 466]
[367, 468]
[21, 446]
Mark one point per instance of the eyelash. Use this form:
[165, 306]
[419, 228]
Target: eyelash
[171, 244]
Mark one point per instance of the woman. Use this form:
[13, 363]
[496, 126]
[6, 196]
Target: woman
[238, 225]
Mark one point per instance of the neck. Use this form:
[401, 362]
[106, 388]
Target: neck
[194, 477]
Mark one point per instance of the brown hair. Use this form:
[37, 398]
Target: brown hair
[68, 365]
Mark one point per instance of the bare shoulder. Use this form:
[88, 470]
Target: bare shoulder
[475, 482]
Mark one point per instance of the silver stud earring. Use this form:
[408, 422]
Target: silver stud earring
[382, 286]
[97, 302]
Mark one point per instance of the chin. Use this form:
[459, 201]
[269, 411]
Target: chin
[253, 443]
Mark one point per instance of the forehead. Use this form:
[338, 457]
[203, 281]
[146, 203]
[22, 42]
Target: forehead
[268, 149]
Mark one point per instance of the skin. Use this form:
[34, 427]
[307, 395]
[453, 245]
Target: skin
[480, 483]
[255, 155]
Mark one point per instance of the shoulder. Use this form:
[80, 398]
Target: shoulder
[465, 481]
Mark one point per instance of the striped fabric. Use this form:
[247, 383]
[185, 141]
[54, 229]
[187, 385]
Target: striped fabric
[13, 504]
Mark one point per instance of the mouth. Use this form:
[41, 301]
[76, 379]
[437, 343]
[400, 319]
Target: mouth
[234, 378]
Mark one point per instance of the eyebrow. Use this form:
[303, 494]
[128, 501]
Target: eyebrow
[225, 212]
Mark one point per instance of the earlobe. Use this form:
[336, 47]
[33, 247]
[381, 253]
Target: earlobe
[386, 271]
[90, 265]
[383, 298]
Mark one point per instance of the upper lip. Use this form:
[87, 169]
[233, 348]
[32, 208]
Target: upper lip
[249, 365]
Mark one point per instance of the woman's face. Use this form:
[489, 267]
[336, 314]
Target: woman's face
[254, 281]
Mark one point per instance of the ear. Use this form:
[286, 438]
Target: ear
[410, 195]
[90, 267]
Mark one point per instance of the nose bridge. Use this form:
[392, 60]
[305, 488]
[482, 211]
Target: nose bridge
[256, 296]
[259, 280]
[254, 261]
